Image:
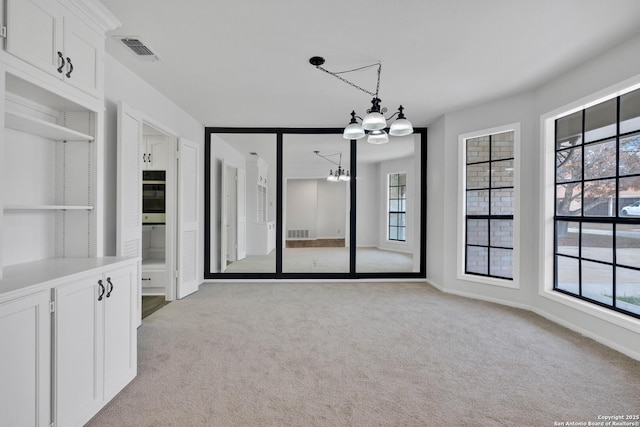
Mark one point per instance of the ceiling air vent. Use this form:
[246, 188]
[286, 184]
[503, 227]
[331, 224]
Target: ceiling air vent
[139, 49]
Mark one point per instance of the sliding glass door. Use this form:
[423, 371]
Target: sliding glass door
[306, 203]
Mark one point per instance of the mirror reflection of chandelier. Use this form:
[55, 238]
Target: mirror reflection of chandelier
[374, 123]
[339, 174]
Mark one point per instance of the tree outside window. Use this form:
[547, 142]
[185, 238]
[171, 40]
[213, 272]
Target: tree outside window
[597, 225]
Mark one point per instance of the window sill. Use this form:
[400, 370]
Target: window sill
[503, 283]
[610, 316]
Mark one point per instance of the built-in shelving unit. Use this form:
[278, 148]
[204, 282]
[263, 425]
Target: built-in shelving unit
[46, 208]
[43, 128]
[50, 160]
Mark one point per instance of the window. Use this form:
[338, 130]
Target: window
[597, 214]
[397, 206]
[489, 201]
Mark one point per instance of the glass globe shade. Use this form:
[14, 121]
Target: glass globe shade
[401, 127]
[374, 121]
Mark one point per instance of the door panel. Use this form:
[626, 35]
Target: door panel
[34, 30]
[25, 361]
[129, 189]
[84, 50]
[78, 351]
[188, 217]
[119, 333]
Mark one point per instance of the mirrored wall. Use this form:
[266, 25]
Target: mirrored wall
[242, 187]
[306, 203]
[388, 205]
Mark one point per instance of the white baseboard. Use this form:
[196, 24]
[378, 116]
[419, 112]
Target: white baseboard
[599, 338]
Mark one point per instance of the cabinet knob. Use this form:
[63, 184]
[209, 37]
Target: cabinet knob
[110, 288]
[101, 290]
[69, 68]
[61, 62]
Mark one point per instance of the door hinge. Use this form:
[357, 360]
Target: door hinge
[52, 306]
[3, 32]
[177, 275]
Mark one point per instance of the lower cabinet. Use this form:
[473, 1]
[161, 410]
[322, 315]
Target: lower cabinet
[68, 339]
[25, 361]
[95, 344]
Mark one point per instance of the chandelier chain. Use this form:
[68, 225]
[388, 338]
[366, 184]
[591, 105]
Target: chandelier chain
[336, 75]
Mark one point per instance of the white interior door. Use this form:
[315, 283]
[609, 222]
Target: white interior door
[129, 189]
[188, 218]
[241, 214]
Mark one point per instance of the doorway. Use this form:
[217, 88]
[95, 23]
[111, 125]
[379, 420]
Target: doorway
[158, 191]
[168, 255]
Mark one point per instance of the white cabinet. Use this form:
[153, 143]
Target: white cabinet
[36, 33]
[154, 268]
[95, 345]
[154, 153]
[67, 338]
[25, 361]
[48, 36]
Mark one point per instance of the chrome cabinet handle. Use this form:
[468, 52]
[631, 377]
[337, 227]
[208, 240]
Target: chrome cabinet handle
[111, 288]
[61, 62]
[101, 290]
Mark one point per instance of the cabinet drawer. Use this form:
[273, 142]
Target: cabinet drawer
[153, 280]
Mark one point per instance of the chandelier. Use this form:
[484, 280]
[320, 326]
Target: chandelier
[373, 125]
[339, 174]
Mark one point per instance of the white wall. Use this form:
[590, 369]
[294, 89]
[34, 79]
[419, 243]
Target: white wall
[590, 78]
[332, 209]
[121, 84]
[367, 201]
[302, 206]
[317, 205]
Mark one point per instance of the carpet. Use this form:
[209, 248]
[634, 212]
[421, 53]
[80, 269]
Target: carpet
[364, 354]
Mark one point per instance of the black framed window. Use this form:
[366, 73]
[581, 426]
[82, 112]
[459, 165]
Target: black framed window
[397, 207]
[489, 205]
[597, 214]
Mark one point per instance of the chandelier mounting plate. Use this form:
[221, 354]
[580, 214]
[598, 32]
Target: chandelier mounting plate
[316, 61]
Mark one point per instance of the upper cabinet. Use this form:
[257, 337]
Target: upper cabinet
[59, 38]
[155, 152]
[34, 33]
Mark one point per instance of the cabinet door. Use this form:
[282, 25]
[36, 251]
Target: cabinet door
[25, 361]
[78, 351]
[84, 56]
[34, 33]
[157, 153]
[120, 339]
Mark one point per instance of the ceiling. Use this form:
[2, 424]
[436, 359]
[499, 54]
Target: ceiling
[245, 63]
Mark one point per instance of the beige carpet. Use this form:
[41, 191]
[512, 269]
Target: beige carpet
[364, 354]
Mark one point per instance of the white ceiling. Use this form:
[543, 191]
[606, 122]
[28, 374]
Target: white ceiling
[245, 63]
